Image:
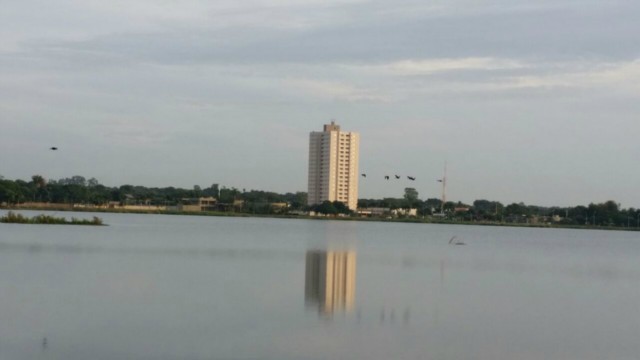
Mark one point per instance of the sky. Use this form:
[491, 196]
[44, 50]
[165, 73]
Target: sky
[526, 101]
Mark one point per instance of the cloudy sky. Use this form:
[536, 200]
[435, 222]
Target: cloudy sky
[533, 101]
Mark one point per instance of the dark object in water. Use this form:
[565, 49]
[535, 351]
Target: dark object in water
[457, 241]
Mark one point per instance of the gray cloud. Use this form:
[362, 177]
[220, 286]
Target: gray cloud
[527, 101]
[356, 37]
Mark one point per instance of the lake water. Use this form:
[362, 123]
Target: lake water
[192, 288]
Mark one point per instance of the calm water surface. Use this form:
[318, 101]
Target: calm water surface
[185, 287]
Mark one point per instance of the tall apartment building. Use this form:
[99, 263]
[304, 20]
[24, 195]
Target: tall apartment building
[330, 280]
[333, 166]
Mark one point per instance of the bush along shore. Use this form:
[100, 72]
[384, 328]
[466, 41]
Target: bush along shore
[14, 218]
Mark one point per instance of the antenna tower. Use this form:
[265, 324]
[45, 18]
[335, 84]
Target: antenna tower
[444, 189]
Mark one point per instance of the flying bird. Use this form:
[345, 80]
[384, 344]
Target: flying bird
[386, 177]
[411, 178]
[364, 175]
[397, 176]
[53, 148]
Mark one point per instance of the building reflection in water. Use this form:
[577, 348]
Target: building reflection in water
[330, 280]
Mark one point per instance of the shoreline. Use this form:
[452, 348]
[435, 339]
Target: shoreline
[320, 218]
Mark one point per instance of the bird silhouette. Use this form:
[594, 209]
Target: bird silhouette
[397, 176]
[386, 177]
[411, 178]
[364, 175]
[53, 148]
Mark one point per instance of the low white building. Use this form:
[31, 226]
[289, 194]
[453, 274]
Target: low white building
[404, 212]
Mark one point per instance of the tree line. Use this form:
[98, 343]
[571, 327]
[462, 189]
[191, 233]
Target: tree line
[608, 213]
[79, 190]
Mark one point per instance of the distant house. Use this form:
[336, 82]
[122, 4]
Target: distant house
[373, 211]
[405, 212]
[279, 207]
[236, 205]
[129, 200]
[197, 204]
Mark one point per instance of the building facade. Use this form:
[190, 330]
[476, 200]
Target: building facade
[333, 166]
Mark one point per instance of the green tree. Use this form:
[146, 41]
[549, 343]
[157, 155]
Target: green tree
[485, 209]
[39, 183]
[326, 208]
[411, 195]
[432, 205]
[297, 200]
[10, 192]
[516, 209]
[228, 195]
[213, 191]
[341, 208]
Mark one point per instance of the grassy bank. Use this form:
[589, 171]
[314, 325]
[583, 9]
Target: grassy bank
[13, 218]
[347, 218]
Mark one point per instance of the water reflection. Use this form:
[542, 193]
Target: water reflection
[330, 280]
